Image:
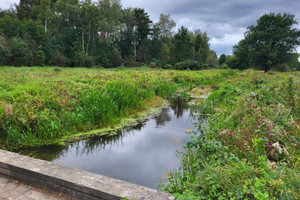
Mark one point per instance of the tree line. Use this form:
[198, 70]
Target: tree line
[83, 33]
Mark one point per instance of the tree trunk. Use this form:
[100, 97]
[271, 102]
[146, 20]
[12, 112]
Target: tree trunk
[134, 50]
[46, 25]
[82, 40]
[88, 43]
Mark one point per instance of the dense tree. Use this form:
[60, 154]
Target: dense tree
[88, 32]
[222, 59]
[19, 52]
[5, 53]
[270, 42]
[241, 52]
[212, 59]
[25, 9]
[110, 19]
[10, 26]
[202, 47]
[182, 46]
[165, 24]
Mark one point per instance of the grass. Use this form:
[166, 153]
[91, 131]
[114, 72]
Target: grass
[46, 105]
[250, 150]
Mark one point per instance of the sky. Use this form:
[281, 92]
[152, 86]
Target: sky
[225, 21]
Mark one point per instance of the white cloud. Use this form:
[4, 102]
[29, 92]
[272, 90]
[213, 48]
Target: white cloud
[6, 4]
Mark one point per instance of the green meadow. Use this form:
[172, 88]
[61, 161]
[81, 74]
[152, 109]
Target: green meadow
[250, 149]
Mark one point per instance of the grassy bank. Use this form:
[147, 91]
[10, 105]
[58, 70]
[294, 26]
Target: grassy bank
[44, 105]
[250, 150]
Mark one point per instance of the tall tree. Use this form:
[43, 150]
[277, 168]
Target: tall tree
[271, 40]
[44, 13]
[142, 24]
[110, 14]
[88, 23]
[241, 52]
[25, 9]
[222, 59]
[165, 24]
[201, 46]
[182, 46]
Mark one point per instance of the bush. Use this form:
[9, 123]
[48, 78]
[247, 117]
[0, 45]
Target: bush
[168, 66]
[222, 66]
[19, 52]
[39, 57]
[5, 53]
[188, 64]
[282, 68]
[59, 60]
[84, 60]
[153, 65]
[130, 62]
[115, 58]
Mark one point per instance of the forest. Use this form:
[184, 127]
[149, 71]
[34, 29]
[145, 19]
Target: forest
[101, 33]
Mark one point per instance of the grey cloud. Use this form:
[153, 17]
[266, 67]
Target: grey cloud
[224, 21]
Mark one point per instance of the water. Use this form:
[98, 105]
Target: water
[142, 154]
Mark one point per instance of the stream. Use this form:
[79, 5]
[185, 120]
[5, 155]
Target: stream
[142, 154]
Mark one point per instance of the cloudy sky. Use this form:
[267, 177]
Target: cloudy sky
[225, 21]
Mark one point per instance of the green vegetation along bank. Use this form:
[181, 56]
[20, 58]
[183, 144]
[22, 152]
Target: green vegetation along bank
[46, 105]
[250, 149]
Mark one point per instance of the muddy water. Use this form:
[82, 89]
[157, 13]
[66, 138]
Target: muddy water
[142, 154]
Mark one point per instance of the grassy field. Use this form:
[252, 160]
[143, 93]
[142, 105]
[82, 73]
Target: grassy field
[250, 150]
[46, 105]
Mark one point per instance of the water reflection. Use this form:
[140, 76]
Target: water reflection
[163, 117]
[141, 154]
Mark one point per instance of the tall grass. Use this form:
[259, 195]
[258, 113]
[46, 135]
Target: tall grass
[250, 149]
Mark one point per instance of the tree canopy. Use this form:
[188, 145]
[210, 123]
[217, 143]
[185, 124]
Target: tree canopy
[268, 44]
[93, 33]
[101, 33]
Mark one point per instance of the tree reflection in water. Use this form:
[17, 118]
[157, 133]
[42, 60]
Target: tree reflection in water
[139, 154]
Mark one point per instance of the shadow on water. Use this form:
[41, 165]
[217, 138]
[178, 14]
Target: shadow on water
[141, 154]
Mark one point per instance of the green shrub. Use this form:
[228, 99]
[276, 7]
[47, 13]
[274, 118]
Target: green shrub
[188, 64]
[84, 60]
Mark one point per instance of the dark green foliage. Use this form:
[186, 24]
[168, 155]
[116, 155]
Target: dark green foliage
[5, 53]
[115, 58]
[19, 52]
[86, 33]
[233, 62]
[202, 47]
[189, 64]
[84, 60]
[269, 43]
[182, 46]
[39, 57]
[142, 23]
[10, 26]
[241, 56]
[222, 59]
